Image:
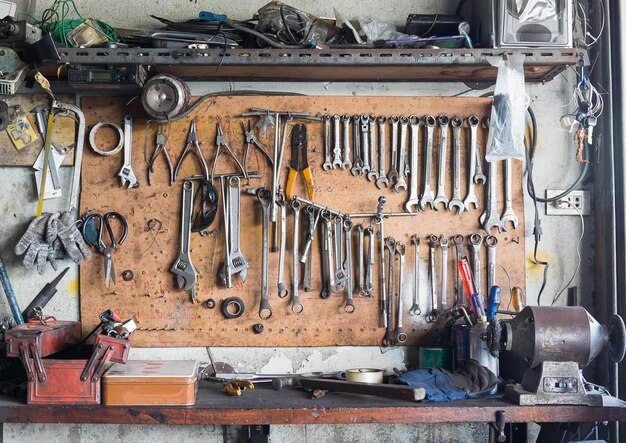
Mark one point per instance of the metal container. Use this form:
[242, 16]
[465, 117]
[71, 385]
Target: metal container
[151, 382]
[435, 358]
[479, 350]
[461, 346]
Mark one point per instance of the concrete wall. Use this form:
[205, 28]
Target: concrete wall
[555, 169]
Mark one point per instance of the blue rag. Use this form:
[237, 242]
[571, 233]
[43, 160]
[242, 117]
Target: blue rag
[438, 386]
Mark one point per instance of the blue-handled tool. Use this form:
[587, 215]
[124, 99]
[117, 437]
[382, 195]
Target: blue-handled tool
[211, 17]
[8, 290]
[493, 303]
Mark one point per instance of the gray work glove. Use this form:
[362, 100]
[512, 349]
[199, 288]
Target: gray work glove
[71, 238]
[34, 243]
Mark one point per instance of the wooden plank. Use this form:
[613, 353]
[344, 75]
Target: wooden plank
[166, 315]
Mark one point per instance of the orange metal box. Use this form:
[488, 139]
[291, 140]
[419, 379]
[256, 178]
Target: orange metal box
[151, 382]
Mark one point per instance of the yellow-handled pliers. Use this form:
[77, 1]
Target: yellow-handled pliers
[299, 162]
[236, 387]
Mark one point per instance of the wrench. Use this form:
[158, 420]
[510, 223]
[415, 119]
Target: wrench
[456, 201]
[373, 173]
[183, 268]
[126, 174]
[491, 242]
[365, 143]
[237, 262]
[296, 304]
[459, 240]
[226, 273]
[383, 281]
[328, 161]
[401, 183]
[433, 241]
[443, 243]
[283, 292]
[357, 164]
[328, 278]
[340, 274]
[337, 163]
[508, 215]
[479, 177]
[349, 307]
[389, 337]
[413, 200]
[427, 195]
[369, 269]
[312, 226]
[476, 240]
[471, 198]
[415, 308]
[382, 153]
[444, 121]
[401, 336]
[264, 196]
[393, 173]
[490, 218]
[347, 164]
[361, 260]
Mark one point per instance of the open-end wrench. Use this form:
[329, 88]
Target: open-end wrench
[490, 218]
[337, 163]
[365, 145]
[264, 196]
[456, 202]
[491, 242]
[349, 306]
[296, 304]
[340, 273]
[433, 241]
[389, 337]
[357, 163]
[312, 226]
[479, 177]
[347, 164]
[369, 268]
[283, 292]
[183, 268]
[413, 200]
[373, 173]
[328, 159]
[458, 241]
[443, 243]
[126, 174]
[401, 336]
[476, 241]
[415, 307]
[427, 193]
[444, 122]
[328, 277]
[382, 152]
[401, 183]
[471, 198]
[394, 173]
[360, 260]
[508, 215]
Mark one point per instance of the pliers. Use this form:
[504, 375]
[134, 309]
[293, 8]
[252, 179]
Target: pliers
[299, 162]
[192, 138]
[222, 146]
[236, 387]
[251, 141]
[161, 146]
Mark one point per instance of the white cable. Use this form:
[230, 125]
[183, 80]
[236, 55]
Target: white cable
[580, 239]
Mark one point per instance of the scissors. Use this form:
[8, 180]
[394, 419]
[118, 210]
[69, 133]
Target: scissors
[93, 226]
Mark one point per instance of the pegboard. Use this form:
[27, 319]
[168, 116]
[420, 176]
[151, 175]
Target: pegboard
[166, 315]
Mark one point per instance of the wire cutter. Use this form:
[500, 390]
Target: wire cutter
[161, 146]
[192, 138]
[299, 162]
[93, 226]
[251, 141]
[222, 146]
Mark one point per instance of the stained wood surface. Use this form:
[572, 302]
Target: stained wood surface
[166, 315]
[293, 406]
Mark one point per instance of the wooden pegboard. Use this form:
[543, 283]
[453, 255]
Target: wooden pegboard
[152, 297]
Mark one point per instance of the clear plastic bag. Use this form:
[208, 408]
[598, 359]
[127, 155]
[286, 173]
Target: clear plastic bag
[375, 29]
[508, 113]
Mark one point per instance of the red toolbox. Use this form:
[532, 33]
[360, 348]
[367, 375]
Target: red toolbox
[59, 369]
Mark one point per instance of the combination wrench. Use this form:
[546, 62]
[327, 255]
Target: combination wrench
[373, 172]
[360, 260]
[427, 194]
[183, 268]
[126, 174]
[444, 122]
[443, 244]
[413, 200]
[458, 241]
[400, 335]
[337, 163]
[479, 177]
[491, 242]
[283, 292]
[389, 337]
[357, 163]
[364, 125]
[476, 240]
[393, 173]
[471, 198]
[296, 303]
[312, 220]
[433, 241]
[264, 196]
[490, 218]
[415, 307]
[508, 215]
[347, 164]
[369, 268]
[456, 202]
[382, 152]
[328, 160]
[401, 182]
[383, 280]
[328, 276]
[349, 307]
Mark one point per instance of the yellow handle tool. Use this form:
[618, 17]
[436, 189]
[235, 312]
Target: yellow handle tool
[299, 162]
[236, 387]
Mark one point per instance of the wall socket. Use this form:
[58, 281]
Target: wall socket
[580, 199]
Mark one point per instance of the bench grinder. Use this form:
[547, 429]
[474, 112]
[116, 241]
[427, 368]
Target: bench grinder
[556, 343]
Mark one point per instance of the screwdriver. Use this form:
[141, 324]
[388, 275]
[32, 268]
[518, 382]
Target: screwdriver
[517, 299]
[473, 297]
[493, 302]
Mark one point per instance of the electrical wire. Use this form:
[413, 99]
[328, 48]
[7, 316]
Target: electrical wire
[580, 239]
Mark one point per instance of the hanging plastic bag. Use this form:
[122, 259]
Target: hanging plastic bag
[508, 113]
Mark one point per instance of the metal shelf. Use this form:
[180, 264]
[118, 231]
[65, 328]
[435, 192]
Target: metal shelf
[468, 65]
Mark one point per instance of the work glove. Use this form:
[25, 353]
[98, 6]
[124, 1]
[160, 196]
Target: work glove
[65, 228]
[35, 245]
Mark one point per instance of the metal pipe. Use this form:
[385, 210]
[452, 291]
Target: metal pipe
[318, 206]
[8, 291]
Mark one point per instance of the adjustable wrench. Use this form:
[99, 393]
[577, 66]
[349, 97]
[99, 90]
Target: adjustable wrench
[427, 194]
[389, 337]
[444, 121]
[237, 262]
[183, 268]
[349, 307]
[401, 336]
[365, 143]
[393, 173]
[491, 242]
[328, 160]
[433, 241]
[471, 198]
[382, 152]
[126, 174]
[490, 218]
[508, 215]
[369, 268]
[264, 196]
[373, 173]
[357, 164]
[347, 164]
[401, 183]
[340, 274]
[459, 240]
[476, 240]
[361, 260]
[456, 201]
[226, 273]
[443, 243]
[296, 304]
[328, 276]
[415, 308]
[413, 200]
[283, 292]
[337, 163]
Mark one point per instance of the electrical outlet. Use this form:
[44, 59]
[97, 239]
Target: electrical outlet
[578, 199]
